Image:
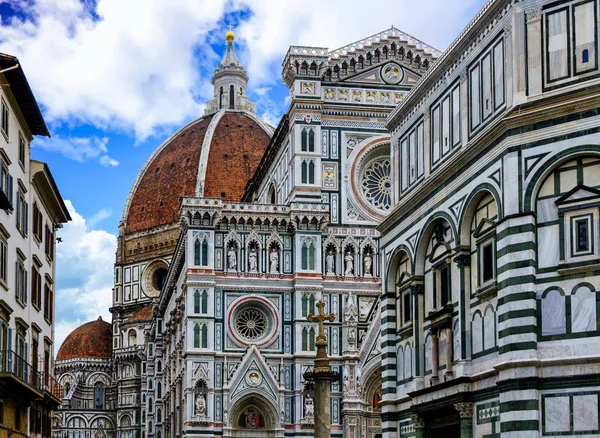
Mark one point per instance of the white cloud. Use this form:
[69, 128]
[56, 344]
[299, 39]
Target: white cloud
[143, 65]
[80, 149]
[85, 260]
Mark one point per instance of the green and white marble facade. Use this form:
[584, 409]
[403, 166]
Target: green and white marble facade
[491, 258]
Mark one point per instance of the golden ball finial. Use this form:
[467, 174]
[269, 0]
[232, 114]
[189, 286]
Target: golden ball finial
[230, 36]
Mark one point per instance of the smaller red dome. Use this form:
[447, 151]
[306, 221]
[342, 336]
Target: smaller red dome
[92, 339]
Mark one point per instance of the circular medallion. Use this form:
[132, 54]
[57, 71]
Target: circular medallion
[253, 378]
[392, 73]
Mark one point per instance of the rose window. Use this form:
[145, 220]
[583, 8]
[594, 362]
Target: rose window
[376, 184]
[251, 324]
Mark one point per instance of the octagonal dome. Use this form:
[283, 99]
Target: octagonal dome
[90, 340]
[214, 156]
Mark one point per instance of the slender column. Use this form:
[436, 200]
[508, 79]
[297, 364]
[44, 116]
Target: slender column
[435, 361]
[465, 411]
[448, 352]
[419, 425]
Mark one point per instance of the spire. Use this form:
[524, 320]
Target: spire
[229, 81]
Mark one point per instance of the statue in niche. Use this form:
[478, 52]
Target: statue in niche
[329, 262]
[253, 261]
[351, 336]
[309, 408]
[346, 385]
[200, 404]
[349, 259]
[274, 257]
[367, 264]
[231, 259]
[225, 416]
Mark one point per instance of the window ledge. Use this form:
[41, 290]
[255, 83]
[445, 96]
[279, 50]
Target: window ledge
[440, 313]
[486, 291]
[406, 331]
[572, 268]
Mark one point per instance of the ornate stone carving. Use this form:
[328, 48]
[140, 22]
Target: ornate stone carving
[417, 420]
[465, 410]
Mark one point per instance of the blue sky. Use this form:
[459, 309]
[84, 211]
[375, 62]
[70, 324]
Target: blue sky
[115, 78]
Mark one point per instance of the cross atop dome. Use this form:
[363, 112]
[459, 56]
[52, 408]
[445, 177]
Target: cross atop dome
[229, 81]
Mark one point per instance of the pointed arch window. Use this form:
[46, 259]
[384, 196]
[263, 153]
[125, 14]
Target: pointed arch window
[311, 339]
[311, 172]
[197, 252]
[231, 97]
[204, 336]
[311, 304]
[196, 302]
[196, 336]
[304, 172]
[304, 339]
[303, 140]
[304, 305]
[158, 390]
[308, 256]
[221, 98]
[204, 302]
[311, 141]
[204, 253]
[99, 396]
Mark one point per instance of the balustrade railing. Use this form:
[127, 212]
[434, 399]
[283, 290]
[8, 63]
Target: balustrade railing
[11, 362]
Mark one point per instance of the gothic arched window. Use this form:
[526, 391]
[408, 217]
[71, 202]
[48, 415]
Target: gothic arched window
[204, 302]
[311, 339]
[132, 337]
[158, 390]
[196, 302]
[303, 140]
[304, 339]
[197, 252]
[204, 253]
[231, 97]
[304, 172]
[311, 141]
[99, 396]
[311, 172]
[196, 336]
[204, 336]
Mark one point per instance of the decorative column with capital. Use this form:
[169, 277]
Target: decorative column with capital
[465, 411]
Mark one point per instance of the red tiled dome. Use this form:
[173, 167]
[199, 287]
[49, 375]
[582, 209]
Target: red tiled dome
[235, 143]
[93, 339]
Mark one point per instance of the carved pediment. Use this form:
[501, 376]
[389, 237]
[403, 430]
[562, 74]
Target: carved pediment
[578, 194]
[254, 375]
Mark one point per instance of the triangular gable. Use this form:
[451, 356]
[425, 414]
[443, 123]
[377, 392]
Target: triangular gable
[254, 375]
[483, 226]
[578, 194]
[370, 347]
[371, 76]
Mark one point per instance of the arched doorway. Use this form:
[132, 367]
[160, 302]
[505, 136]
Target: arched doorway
[371, 398]
[253, 416]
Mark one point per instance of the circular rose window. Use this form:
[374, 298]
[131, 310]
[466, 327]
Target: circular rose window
[376, 183]
[251, 324]
[253, 320]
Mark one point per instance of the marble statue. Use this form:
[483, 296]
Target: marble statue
[274, 257]
[225, 416]
[231, 259]
[200, 404]
[329, 262]
[309, 408]
[367, 263]
[349, 259]
[252, 261]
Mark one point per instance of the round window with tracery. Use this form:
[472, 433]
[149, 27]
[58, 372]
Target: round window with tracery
[251, 324]
[376, 183]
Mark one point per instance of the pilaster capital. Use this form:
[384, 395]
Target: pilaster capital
[465, 410]
[418, 421]
[533, 14]
[417, 288]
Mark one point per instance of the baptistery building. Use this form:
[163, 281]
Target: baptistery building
[490, 255]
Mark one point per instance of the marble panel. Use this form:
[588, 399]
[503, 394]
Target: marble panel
[477, 333]
[456, 341]
[548, 244]
[489, 329]
[400, 365]
[585, 413]
[591, 176]
[568, 180]
[428, 353]
[556, 414]
[553, 314]
[546, 210]
[583, 310]
[407, 362]
[442, 341]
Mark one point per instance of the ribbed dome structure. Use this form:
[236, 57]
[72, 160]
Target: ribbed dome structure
[91, 340]
[214, 156]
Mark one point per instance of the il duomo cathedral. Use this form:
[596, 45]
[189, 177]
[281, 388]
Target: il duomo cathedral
[231, 233]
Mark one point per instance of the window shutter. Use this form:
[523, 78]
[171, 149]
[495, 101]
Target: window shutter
[10, 188]
[17, 280]
[26, 219]
[25, 287]
[18, 213]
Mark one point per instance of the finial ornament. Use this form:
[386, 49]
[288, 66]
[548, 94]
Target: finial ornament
[230, 36]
